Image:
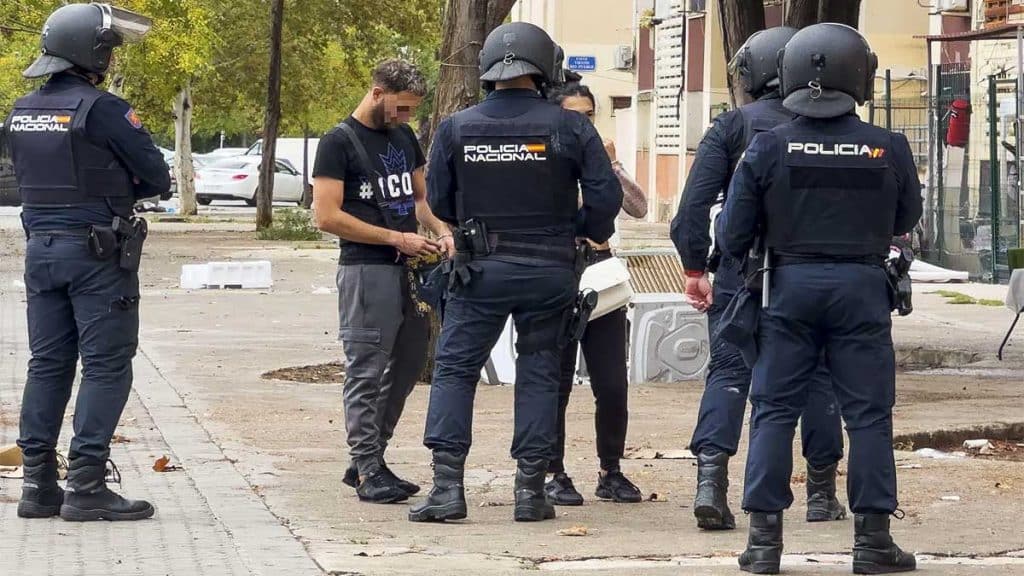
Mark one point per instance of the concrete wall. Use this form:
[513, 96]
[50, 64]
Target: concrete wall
[590, 28]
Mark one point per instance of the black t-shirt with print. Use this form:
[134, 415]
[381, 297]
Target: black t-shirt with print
[394, 155]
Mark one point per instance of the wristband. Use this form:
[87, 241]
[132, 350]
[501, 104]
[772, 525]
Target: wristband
[694, 273]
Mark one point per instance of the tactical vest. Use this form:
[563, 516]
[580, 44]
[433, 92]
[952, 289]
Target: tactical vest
[762, 116]
[55, 163]
[832, 195]
[512, 173]
[759, 116]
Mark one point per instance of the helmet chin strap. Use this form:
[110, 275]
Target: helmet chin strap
[93, 77]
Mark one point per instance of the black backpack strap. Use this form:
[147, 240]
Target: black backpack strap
[364, 159]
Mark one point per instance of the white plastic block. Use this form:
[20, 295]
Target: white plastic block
[193, 276]
[246, 275]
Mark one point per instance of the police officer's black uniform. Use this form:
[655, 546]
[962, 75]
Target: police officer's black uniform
[507, 173]
[829, 193]
[723, 404]
[81, 158]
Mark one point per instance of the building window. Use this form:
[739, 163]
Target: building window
[697, 6]
[621, 103]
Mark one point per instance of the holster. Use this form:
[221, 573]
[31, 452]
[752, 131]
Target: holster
[584, 258]
[897, 271]
[131, 234]
[582, 308]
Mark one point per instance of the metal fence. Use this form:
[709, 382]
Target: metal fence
[971, 191]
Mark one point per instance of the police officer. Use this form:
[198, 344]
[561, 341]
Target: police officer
[720, 422]
[82, 158]
[506, 174]
[829, 192]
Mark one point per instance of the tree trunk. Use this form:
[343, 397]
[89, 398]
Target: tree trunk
[184, 170]
[803, 13]
[265, 191]
[740, 19]
[466, 25]
[497, 12]
[841, 11]
[307, 169]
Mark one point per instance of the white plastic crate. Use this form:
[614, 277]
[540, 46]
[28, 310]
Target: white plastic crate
[254, 274]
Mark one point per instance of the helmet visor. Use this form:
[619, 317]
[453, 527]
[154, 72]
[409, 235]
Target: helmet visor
[130, 25]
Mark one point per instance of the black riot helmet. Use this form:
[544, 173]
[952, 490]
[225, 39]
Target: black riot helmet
[84, 36]
[519, 49]
[826, 70]
[757, 61]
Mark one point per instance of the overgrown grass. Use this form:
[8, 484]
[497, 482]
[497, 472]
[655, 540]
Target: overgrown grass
[292, 225]
[961, 298]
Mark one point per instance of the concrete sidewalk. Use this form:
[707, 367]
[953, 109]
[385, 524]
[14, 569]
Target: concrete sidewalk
[263, 459]
[208, 521]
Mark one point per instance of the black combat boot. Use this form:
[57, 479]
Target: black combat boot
[447, 499]
[822, 504]
[532, 504]
[41, 497]
[711, 506]
[874, 552]
[764, 545]
[88, 498]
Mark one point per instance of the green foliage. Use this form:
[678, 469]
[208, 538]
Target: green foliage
[222, 47]
[961, 298]
[290, 224]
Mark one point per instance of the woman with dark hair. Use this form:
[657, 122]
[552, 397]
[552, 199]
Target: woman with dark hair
[604, 349]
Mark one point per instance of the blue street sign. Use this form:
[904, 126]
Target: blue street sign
[582, 63]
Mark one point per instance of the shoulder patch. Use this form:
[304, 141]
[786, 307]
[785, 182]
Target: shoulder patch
[133, 119]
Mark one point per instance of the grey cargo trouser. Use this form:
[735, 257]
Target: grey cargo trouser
[385, 343]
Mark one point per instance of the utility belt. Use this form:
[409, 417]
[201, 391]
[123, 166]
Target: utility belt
[781, 259]
[477, 241]
[124, 237]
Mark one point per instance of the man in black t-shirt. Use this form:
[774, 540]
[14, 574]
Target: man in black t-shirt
[369, 189]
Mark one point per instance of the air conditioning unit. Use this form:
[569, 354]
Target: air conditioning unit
[952, 5]
[624, 57]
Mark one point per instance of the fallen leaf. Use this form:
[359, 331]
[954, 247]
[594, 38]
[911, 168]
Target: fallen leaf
[578, 530]
[655, 497]
[492, 504]
[118, 439]
[161, 464]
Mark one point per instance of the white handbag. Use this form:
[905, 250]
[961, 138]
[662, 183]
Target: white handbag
[610, 279]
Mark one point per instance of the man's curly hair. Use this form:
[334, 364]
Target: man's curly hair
[396, 75]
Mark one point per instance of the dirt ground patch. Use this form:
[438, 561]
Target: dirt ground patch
[329, 373]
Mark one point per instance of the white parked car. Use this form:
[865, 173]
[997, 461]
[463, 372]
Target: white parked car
[290, 149]
[220, 154]
[237, 179]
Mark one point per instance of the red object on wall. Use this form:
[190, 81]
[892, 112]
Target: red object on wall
[959, 123]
